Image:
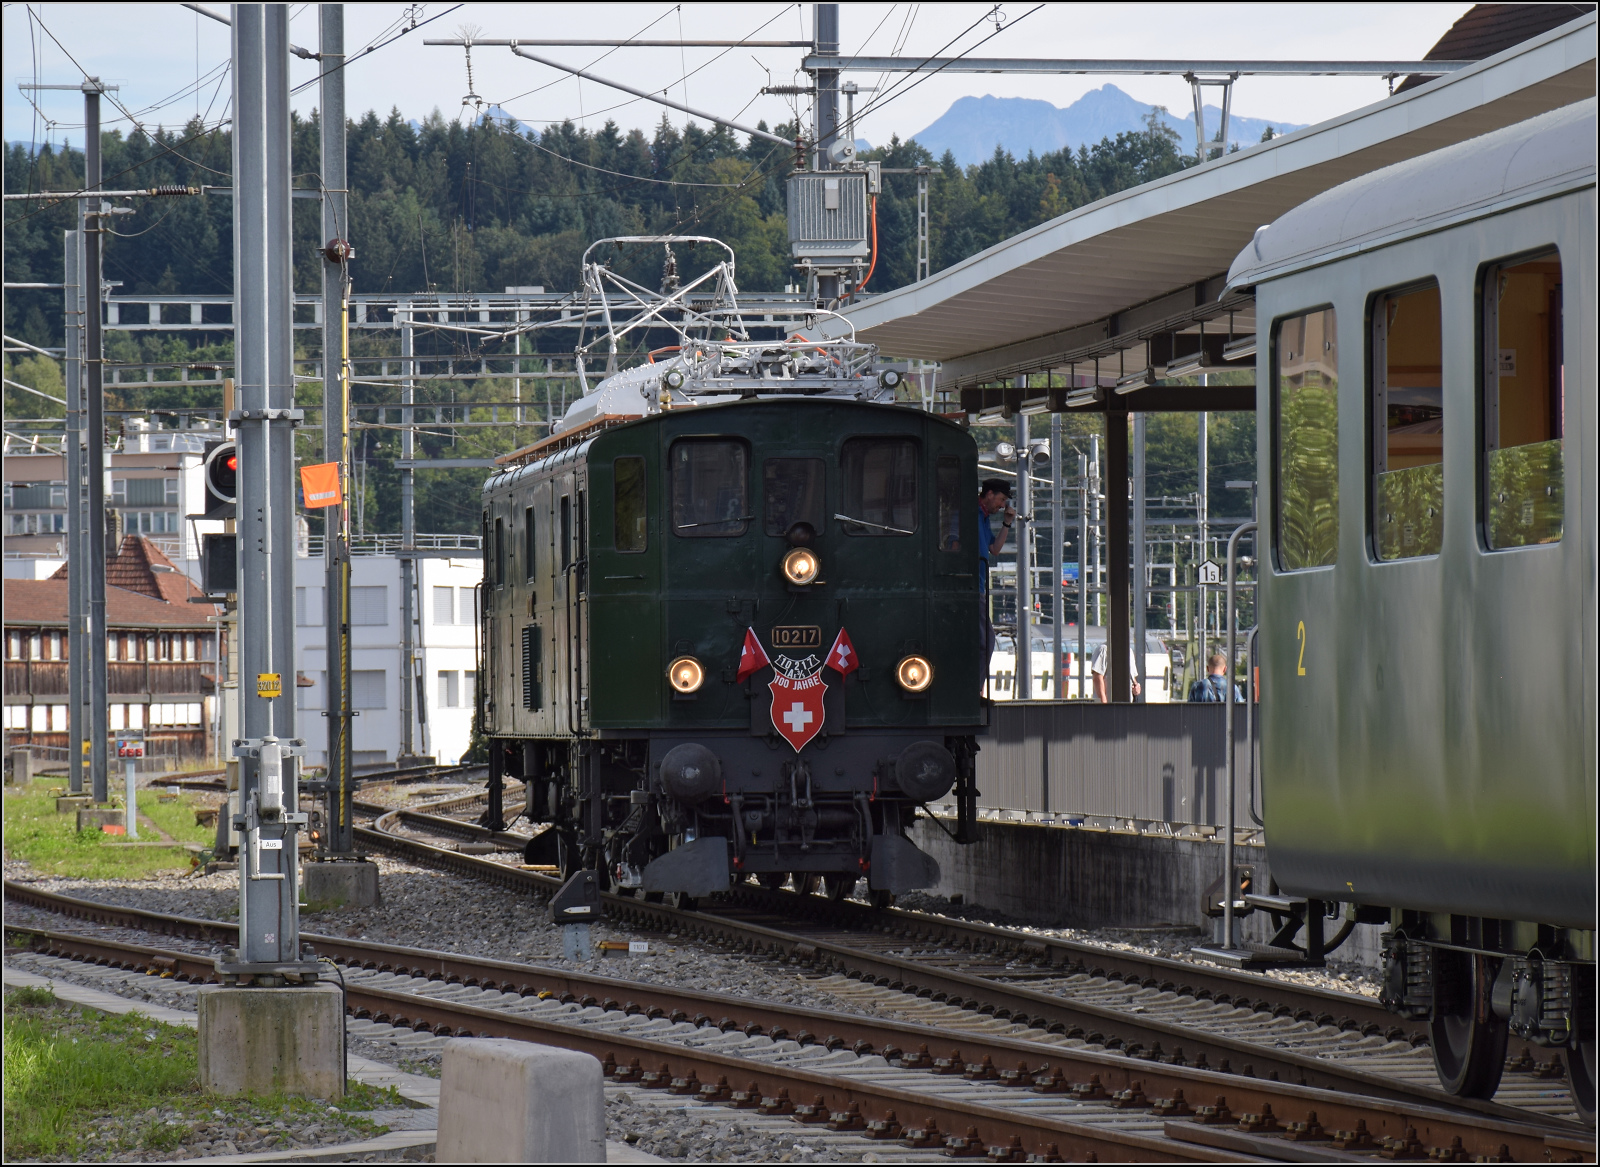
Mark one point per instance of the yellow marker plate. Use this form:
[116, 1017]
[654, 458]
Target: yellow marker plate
[269, 685]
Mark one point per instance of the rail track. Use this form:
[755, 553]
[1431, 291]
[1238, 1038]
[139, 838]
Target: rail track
[989, 1094]
[1147, 1007]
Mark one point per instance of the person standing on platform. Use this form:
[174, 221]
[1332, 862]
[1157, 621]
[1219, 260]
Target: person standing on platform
[1100, 666]
[1214, 685]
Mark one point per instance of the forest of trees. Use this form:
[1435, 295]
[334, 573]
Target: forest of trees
[445, 206]
[448, 206]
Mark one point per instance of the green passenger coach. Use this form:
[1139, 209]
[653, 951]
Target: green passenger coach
[1429, 696]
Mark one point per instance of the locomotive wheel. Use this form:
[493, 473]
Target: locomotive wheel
[772, 880]
[806, 884]
[1580, 1077]
[1469, 1045]
[677, 899]
[882, 899]
[840, 886]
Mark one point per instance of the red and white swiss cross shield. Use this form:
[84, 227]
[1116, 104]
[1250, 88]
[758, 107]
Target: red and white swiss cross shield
[797, 711]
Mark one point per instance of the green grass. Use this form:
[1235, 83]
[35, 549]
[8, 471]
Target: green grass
[65, 1067]
[52, 845]
[176, 818]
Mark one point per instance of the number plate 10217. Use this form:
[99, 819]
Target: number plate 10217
[796, 636]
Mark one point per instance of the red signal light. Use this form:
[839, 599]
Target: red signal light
[233, 463]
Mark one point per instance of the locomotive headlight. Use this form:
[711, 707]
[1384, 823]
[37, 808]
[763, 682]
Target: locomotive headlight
[686, 674]
[800, 565]
[914, 674]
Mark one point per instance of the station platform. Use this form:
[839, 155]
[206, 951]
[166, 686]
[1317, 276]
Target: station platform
[1111, 816]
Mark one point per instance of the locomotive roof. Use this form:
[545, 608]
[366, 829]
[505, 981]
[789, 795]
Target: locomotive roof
[510, 473]
[1532, 160]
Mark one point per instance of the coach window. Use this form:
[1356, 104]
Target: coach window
[1305, 418]
[499, 552]
[710, 488]
[1407, 423]
[1524, 403]
[628, 504]
[793, 489]
[880, 486]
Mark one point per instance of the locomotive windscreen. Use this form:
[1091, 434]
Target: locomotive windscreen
[710, 491]
[880, 486]
[794, 492]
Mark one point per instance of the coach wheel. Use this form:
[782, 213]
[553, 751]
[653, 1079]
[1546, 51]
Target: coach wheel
[840, 885]
[1580, 1077]
[1468, 1040]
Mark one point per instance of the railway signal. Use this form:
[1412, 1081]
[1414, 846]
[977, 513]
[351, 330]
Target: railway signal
[222, 480]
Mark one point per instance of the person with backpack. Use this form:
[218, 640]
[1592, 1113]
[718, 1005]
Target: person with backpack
[1214, 685]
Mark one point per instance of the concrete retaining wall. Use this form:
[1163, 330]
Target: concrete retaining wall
[1059, 876]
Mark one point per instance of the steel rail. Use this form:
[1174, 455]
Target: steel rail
[713, 1077]
[1225, 986]
[1135, 1035]
[1083, 1075]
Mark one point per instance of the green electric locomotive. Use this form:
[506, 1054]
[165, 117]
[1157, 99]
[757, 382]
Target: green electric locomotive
[731, 623]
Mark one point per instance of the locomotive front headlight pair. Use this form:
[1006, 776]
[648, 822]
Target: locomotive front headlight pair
[686, 674]
[914, 673]
[801, 565]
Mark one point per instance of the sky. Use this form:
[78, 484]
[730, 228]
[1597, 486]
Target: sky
[170, 62]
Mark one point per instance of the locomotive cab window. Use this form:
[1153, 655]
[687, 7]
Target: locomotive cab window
[1524, 403]
[947, 482]
[880, 486]
[793, 489]
[1407, 423]
[710, 488]
[527, 543]
[1305, 439]
[628, 505]
[499, 553]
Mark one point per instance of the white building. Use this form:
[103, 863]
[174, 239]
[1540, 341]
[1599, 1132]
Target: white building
[445, 634]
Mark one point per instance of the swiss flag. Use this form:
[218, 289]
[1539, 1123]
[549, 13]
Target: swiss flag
[752, 656]
[842, 656]
[797, 709]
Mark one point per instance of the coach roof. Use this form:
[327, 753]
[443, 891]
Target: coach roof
[1544, 156]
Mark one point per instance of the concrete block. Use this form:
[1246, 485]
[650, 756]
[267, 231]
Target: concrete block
[503, 1101]
[265, 1041]
[20, 767]
[69, 803]
[327, 886]
[92, 818]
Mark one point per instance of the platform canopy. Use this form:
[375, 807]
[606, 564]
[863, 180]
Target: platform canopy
[1137, 279]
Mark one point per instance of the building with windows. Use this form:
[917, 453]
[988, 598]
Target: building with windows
[154, 481]
[443, 680]
[164, 658]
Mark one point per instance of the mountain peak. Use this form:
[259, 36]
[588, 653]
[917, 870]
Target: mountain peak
[973, 126]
